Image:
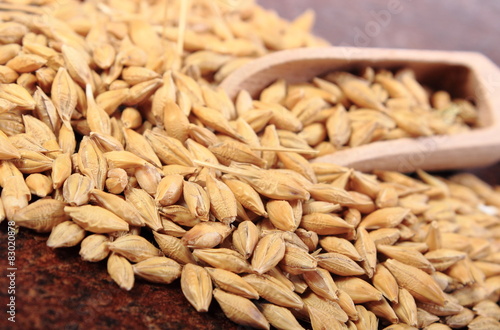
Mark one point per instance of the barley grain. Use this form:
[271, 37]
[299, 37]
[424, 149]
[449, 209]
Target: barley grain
[133, 247]
[273, 291]
[206, 235]
[196, 286]
[240, 310]
[42, 215]
[65, 234]
[173, 248]
[94, 248]
[232, 283]
[121, 271]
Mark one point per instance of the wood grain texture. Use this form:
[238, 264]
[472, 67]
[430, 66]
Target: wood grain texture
[54, 289]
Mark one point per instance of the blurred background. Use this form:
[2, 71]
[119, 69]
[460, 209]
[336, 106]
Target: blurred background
[461, 25]
[424, 24]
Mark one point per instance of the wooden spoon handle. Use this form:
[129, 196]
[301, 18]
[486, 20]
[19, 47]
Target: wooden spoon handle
[441, 152]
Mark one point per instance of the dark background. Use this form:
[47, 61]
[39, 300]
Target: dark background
[424, 24]
[54, 289]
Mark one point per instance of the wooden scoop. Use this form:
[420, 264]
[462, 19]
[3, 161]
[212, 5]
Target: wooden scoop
[467, 75]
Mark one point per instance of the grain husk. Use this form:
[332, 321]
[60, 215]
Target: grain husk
[41, 216]
[65, 234]
[94, 248]
[416, 281]
[240, 310]
[96, 219]
[273, 291]
[121, 271]
[173, 248]
[134, 247]
[231, 282]
[196, 286]
[158, 270]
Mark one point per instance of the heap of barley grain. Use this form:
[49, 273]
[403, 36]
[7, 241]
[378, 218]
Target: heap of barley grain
[112, 125]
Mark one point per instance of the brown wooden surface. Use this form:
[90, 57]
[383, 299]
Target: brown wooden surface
[54, 289]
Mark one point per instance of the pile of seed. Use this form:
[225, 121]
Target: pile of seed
[381, 105]
[111, 131]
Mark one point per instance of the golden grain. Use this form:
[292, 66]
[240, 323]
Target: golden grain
[297, 260]
[206, 234]
[39, 184]
[146, 207]
[339, 264]
[383, 310]
[65, 234]
[416, 281]
[42, 215]
[196, 285]
[325, 224]
[273, 291]
[96, 219]
[121, 271]
[321, 282]
[133, 247]
[240, 310]
[245, 238]
[279, 317]
[223, 258]
[230, 282]
[173, 248]
[317, 303]
[222, 200]
[94, 248]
